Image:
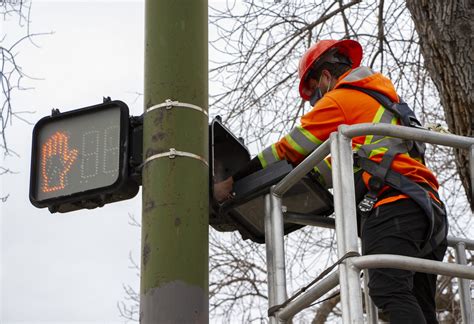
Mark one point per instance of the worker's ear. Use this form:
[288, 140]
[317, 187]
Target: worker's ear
[329, 79]
[327, 75]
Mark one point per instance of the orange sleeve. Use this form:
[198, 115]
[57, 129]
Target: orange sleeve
[320, 122]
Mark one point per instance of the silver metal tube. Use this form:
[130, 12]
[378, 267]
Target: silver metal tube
[412, 264]
[340, 238]
[411, 133]
[310, 296]
[349, 220]
[370, 309]
[302, 169]
[468, 244]
[328, 222]
[269, 246]
[337, 194]
[278, 248]
[464, 285]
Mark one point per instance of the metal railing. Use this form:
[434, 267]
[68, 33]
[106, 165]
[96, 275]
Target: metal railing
[348, 273]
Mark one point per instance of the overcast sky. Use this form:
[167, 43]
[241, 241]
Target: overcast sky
[70, 267]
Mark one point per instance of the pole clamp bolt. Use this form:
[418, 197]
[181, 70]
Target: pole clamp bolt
[172, 153]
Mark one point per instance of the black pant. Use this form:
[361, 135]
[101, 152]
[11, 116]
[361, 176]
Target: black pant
[401, 228]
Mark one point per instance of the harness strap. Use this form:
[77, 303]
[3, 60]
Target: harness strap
[379, 175]
[401, 110]
[410, 188]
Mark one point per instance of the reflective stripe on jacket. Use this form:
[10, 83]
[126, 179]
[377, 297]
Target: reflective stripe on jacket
[347, 106]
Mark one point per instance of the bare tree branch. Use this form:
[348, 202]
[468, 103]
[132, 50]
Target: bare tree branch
[255, 50]
[11, 73]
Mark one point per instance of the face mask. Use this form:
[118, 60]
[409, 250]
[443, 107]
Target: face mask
[317, 94]
[315, 97]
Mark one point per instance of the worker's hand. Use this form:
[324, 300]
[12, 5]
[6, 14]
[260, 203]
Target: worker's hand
[223, 190]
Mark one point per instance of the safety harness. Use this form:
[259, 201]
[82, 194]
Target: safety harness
[382, 174]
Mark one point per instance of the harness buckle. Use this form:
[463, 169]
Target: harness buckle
[367, 204]
[376, 184]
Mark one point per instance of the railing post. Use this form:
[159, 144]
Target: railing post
[341, 246]
[464, 285]
[346, 225]
[350, 223]
[370, 309]
[279, 253]
[269, 251]
[275, 251]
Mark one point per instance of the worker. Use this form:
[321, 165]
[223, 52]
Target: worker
[396, 193]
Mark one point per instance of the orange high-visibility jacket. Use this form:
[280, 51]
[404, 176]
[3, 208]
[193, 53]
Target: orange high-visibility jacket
[347, 106]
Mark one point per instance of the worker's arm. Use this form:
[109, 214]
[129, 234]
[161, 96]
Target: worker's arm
[315, 128]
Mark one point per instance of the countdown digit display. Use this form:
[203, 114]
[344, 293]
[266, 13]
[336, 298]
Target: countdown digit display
[79, 155]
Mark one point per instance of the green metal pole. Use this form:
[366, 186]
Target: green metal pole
[174, 265]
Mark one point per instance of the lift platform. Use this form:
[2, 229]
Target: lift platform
[270, 192]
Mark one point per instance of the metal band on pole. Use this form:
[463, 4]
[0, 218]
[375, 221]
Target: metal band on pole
[168, 104]
[172, 154]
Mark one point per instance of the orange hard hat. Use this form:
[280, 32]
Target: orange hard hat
[347, 47]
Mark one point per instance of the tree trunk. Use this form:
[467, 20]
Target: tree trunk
[446, 33]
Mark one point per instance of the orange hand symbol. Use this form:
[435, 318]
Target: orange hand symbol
[56, 161]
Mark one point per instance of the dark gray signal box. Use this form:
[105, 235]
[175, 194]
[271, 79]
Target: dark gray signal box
[245, 213]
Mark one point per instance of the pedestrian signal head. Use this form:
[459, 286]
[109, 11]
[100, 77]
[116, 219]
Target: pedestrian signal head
[79, 158]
